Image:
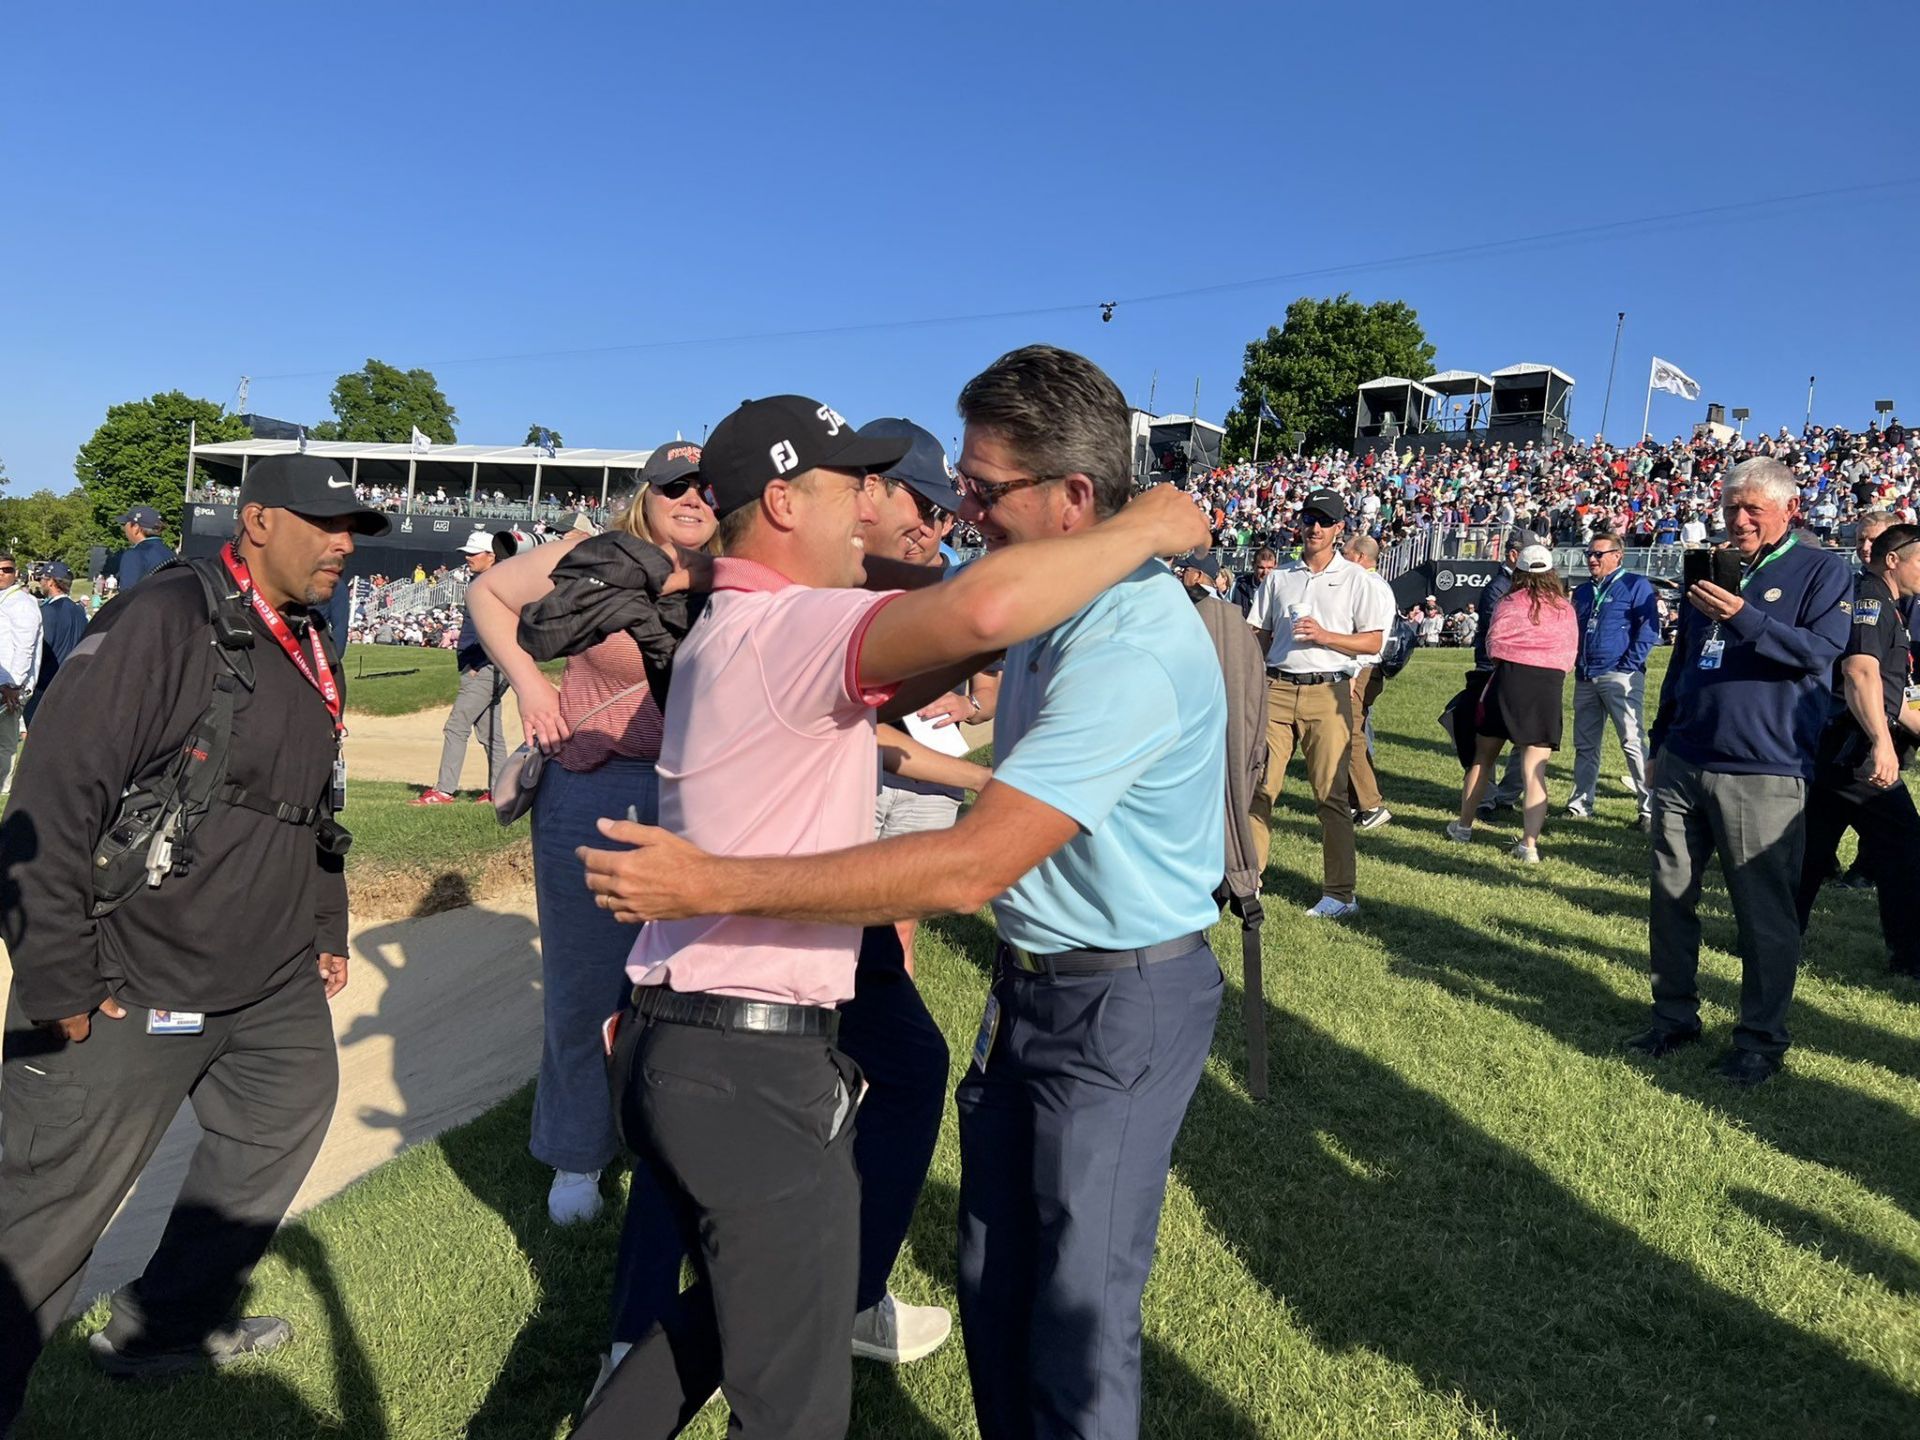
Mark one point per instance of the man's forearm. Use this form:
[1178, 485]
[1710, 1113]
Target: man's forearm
[1364, 642]
[1863, 699]
[906, 878]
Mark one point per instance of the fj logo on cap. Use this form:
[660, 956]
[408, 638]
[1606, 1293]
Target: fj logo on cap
[832, 418]
[784, 456]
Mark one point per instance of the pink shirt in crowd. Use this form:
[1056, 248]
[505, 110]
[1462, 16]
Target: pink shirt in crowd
[769, 750]
[1551, 643]
[629, 727]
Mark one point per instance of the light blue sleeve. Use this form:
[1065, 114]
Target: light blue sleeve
[1108, 714]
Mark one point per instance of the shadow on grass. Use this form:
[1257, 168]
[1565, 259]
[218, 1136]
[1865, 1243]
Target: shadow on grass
[551, 1364]
[1814, 1025]
[1398, 1228]
[1835, 1242]
[1799, 1114]
[70, 1399]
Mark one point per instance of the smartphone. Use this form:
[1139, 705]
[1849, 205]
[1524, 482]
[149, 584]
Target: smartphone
[1728, 568]
[1695, 565]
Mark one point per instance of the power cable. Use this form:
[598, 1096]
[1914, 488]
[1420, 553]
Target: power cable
[1513, 245]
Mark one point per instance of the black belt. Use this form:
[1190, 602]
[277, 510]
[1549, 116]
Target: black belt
[1098, 962]
[729, 1012]
[1311, 677]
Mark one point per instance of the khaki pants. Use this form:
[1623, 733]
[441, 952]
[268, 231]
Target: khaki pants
[1363, 785]
[1318, 721]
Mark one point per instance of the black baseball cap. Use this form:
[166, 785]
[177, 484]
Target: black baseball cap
[924, 468]
[784, 436]
[59, 570]
[1327, 504]
[145, 516]
[312, 486]
[676, 460]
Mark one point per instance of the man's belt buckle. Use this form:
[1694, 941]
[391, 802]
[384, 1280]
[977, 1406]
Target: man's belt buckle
[1025, 960]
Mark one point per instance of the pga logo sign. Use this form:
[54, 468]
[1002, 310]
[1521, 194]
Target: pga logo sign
[1466, 579]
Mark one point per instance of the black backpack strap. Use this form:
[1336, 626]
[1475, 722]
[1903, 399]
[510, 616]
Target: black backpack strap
[283, 810]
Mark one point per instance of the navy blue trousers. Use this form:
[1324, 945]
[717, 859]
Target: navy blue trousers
[886, 1030]
[1065, 1141]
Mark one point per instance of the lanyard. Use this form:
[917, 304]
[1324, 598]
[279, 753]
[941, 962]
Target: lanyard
[319, 673]
[1770, 557]
[1602, 592]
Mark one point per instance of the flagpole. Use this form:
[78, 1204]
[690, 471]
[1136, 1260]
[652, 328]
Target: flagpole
[1647, 410]
[1810, 380]
[1259, 419]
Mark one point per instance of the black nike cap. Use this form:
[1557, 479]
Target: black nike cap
[309, 485]
[784, 436]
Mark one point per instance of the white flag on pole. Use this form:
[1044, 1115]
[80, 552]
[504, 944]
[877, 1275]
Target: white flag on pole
[421, 444]
[1673, 380]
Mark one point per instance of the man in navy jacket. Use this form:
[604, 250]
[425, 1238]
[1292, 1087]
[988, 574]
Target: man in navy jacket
[1734, 741]
[1619, 618]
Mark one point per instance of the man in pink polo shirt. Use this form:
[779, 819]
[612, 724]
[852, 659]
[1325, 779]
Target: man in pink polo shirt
[732, 1089]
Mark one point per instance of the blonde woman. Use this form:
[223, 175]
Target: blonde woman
[597, 766]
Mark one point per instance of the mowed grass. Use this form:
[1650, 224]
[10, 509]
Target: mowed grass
[400, 679]
[390, 832]
[1462, 1213]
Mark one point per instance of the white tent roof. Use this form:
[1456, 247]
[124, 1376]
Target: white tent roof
[1395, 382]
[1528, 369]
[347, 451]
[1160, 421]
[1458, 382]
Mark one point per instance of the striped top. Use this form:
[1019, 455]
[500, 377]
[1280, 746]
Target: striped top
[629, 727]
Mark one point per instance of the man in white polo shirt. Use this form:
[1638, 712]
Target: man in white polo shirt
[1316, 616]
[733, 1091]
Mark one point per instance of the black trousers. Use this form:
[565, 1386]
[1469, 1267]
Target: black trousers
[750, 1138]
[78, 1123]
[886, 1030]
[1889, 829]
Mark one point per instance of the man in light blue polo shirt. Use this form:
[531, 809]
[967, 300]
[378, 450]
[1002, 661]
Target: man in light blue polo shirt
[1099, 843]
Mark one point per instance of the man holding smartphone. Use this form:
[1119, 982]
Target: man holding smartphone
[1741, 711]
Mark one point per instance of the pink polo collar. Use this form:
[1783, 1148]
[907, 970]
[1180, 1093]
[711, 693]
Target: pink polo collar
[736, 573]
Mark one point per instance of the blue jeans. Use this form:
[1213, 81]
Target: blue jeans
[583, 958]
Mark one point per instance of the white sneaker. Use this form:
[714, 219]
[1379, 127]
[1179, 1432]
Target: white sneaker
[573, 1197]
[1578, 810]
[1332, 909]
[1462, 834]
[895, 1334]
[1526, 854]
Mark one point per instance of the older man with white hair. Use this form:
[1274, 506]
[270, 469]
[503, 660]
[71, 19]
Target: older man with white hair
[1733, 749]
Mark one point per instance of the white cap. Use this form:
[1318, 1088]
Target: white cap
[1534, 559]
[478, 543]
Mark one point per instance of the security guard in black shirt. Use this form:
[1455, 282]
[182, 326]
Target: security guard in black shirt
[1857, 779]
[210, 978]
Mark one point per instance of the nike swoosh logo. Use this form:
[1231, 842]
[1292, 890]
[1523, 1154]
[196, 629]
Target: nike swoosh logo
[338, 484]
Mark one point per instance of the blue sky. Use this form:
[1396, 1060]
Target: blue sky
[200, 191]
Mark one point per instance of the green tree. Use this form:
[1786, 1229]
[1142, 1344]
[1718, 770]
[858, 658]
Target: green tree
[534, 432]
[46, 526]
[138, 456]
[379, 404]
[1310, 367]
